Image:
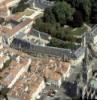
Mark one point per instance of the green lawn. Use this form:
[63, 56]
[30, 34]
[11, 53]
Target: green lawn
[62, 44]
[76, 31]
[28, 12]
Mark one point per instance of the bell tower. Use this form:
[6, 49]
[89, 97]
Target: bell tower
[86, 64]
[86, 72]
[85, 67]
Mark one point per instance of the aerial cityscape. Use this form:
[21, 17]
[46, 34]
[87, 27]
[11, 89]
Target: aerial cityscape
[48, 49]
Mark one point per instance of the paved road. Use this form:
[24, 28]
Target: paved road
[60, 95]
[42, 3]
[36, 13]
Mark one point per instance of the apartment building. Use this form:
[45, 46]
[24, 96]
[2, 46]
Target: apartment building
[53, 71]
[7, 34]
[40, 38]
[78, 56]
[27, 87]
[26, 77]
[64, 69]
[14, 70]
[52, 77]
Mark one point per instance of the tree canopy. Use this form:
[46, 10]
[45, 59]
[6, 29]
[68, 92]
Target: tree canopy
[21, 6]
[88, 8]
[62, 12]
[71, 13]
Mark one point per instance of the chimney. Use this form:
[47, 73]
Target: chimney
[1, 46]
[12, 54]
[29, 62]
[55, 67]
[1, 54]
[18, 59]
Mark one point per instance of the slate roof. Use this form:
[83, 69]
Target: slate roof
[43, 35]
[31, 48]
[80, 51]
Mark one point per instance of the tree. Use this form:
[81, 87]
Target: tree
[84, 6]
[1, 20]
[77, 19]
[49, 16]
[87, 9]
[4, 91]
[46, 27]
[94, 12]
[62, 12]
[21, 6]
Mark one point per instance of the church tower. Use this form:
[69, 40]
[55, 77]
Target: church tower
[85, 67]
[86, 73]
[86, 64]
